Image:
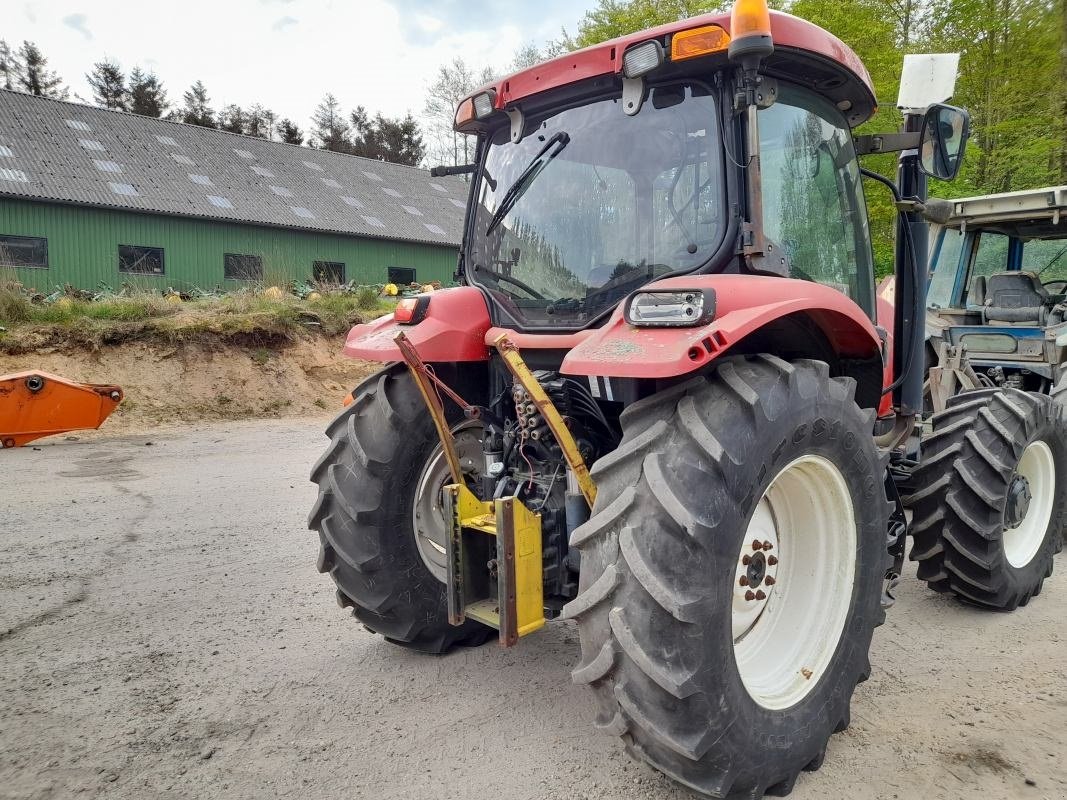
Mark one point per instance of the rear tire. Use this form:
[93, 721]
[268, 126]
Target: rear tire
[656, 608]
[368, 478]
[965, 496]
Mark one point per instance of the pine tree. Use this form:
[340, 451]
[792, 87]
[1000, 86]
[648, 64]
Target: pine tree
[147, 96]
[34, 76]
[232, 118]
[197, 110]
[109, 85]
[259, 121]
[330, 130]
[395, 140]
[289, 133]
[9, 67]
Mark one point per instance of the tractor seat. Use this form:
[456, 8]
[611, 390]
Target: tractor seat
[1015, 298]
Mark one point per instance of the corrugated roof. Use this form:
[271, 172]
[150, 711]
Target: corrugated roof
[67, 152]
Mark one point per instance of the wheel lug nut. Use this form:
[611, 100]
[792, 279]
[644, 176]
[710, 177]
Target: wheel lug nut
[761, 595]
[772, 561]
[744, 580]
[750, 595]
[769, 580]
[746, 560]
[767, 546]
[757, 544]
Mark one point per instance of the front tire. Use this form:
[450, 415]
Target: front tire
[369, 480]
[991, 451]
[662, 554]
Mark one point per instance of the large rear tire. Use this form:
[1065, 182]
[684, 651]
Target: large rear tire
[369, 480]
[990, 497]
[731, 695]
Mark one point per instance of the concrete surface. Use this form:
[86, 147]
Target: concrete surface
[163, 633]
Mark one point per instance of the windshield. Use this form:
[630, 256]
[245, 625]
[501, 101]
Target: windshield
[594, 203]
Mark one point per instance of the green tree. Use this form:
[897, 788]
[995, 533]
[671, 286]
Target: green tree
[109, 85]
[197, 109]
[330, 130]
[147, 95]
[34, 76]
[395, 140]
[259, 122]
[9, 67]
[289, 133]
[232, 119]
[612, 18]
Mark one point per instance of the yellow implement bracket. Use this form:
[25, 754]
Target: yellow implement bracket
[433, 403]
[521, 373]
[513, 565]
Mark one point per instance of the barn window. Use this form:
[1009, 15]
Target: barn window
[329, 271]
[238, 267]
[401, 275]
[140, 260]
[23, 251]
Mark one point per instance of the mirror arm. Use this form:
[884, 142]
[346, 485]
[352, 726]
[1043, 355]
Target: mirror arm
[886, 142]
[444, 172]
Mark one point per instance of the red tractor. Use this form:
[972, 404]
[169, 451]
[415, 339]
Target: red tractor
[667, 275]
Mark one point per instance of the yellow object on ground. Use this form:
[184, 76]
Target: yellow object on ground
[314, 297]
[273, 293]
[427, 289]
[391, 290]
[65, 303]
[174, 299]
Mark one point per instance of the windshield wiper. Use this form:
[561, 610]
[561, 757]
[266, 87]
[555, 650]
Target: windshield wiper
[553, 147]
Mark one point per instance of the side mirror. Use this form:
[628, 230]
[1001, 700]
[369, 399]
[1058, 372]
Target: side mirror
[942, 141]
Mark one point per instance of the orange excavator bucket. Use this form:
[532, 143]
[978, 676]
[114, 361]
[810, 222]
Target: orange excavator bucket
[37, 404]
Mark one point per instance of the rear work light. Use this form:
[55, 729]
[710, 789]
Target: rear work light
[412, 310]
[641, 59]
[678, 308]
[483, 104]
[698, 42]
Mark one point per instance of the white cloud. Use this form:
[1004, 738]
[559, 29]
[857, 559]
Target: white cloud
[284, 23]
[77, 22]
[376, 53]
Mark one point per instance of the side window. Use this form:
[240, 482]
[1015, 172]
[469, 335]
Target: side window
[943, 279]
[1048, 258]
[991, 255]
[813, 205]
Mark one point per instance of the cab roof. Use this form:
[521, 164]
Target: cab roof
[803, 53]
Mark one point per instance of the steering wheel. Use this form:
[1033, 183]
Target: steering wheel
[1061, 281]
[515, 282]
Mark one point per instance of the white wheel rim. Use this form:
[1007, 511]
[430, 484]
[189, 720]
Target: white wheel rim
[784, 641]
[1022, 542]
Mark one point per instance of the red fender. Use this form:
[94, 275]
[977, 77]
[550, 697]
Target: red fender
[744, 303]
[453, 330]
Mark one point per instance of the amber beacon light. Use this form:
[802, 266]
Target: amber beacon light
[750, 32]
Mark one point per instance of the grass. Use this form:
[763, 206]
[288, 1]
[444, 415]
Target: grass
[245, 316]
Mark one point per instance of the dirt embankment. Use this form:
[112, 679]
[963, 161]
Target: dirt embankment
[205, 379]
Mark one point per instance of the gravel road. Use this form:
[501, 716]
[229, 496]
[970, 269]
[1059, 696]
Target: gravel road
[163, 633]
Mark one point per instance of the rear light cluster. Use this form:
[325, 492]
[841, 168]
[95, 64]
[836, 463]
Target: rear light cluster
[411, 310]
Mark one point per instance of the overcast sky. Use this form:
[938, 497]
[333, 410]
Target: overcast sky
[287, 53]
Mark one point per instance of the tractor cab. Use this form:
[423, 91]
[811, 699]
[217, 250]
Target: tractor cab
[616, 166]
[998, 286]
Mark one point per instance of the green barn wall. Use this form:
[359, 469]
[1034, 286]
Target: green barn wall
[83, 249]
